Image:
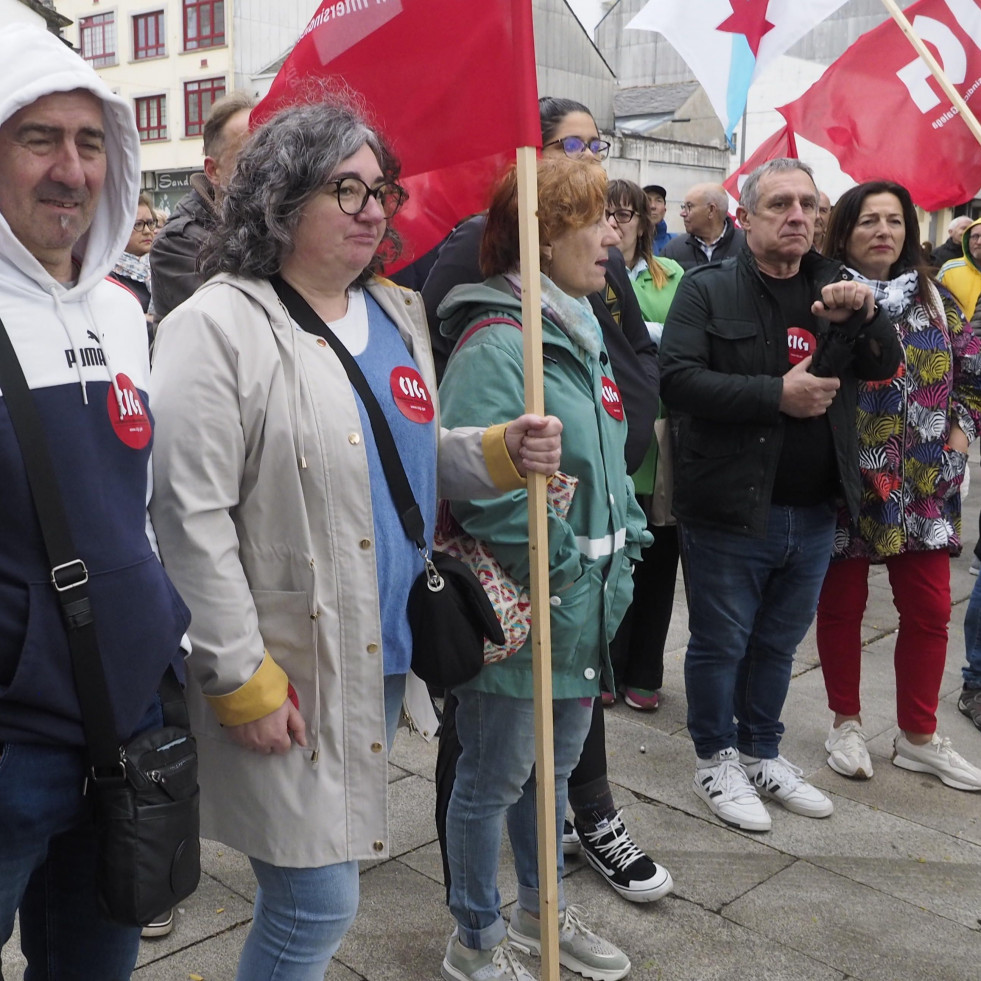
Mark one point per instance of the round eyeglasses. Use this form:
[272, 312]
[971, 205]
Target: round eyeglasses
[576, 146]
[144, 225]
[622, 216]
[352, 196]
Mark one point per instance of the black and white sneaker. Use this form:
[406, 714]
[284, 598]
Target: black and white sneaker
[610, 850]
[570, 839]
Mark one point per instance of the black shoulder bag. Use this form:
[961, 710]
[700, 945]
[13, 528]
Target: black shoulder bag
[449, 612]
[145, 791]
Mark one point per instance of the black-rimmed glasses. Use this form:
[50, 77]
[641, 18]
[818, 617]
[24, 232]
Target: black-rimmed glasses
[144, 225]
[576, 146]
[352, 196]
[622, 216]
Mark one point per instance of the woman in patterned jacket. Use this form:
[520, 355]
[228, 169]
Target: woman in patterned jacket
[913, 431]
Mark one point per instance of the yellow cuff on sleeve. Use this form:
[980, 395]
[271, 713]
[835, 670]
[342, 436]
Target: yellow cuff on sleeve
[499, 464]
[263, 693]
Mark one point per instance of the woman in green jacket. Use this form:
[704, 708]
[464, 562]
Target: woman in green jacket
[590, 551]
[638, 649]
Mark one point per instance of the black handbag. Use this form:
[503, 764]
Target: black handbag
[449, 612]
[146, 791]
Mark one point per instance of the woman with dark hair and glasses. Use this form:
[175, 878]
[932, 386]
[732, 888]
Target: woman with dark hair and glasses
[913, 434]
[638, 649]
[569, 131]
[276, 521]
[132, 269]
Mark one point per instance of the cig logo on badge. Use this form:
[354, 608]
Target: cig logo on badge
[128, 415]
[411, 395]
[800, 343]
[611, 399]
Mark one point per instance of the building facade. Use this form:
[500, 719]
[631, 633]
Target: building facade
[171, 59]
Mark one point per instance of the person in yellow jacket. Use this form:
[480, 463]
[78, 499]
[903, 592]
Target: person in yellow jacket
[963, 276]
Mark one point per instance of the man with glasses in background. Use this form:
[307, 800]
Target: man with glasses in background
[712, 234]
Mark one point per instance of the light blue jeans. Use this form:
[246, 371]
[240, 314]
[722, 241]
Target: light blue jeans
[495, 777]
[302, 915]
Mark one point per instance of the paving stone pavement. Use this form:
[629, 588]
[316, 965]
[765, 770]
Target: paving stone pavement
[886, 889]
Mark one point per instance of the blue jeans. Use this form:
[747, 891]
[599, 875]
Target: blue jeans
[301, 915]
[48, 863]
[752, 600]
[495, 777]
[972, 638]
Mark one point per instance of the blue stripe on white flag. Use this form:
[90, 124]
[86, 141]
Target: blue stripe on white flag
[741, 69]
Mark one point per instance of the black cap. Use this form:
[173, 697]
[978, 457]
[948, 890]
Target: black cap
[656, 189]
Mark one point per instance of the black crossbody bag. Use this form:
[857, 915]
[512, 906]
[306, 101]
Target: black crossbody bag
[449, 612]
[146, 790]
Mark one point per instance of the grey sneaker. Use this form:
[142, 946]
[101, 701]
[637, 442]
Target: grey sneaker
[580, 950]
[497, 964]
[937, 757]
[970, 704]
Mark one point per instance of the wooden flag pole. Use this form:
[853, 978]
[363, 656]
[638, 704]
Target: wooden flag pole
[531, 323]
[938, 73]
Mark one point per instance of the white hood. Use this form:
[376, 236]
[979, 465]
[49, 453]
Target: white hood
[36, 63]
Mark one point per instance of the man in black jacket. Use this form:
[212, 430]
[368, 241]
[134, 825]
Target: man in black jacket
[174, 254]
[712, 236]
[760, 360]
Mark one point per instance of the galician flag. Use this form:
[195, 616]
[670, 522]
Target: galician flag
[727, 43]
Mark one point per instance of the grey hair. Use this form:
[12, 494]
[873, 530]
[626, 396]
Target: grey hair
[283, 165]
[749, 196]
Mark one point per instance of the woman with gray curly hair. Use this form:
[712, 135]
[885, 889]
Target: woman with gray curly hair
[276, 523]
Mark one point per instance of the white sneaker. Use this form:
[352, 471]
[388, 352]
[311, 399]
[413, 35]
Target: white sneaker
[937, 757]
[781, 781]
[847, 753]
[722, 783]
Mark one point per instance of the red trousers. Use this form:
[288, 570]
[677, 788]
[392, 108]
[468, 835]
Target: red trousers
[921, 593]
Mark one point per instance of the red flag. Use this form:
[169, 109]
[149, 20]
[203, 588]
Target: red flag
[781, 144]
[450, 84]
[883, 115]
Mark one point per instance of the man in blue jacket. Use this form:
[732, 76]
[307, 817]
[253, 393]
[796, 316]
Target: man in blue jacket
[657, 199]
[69, 181]
[760, 359]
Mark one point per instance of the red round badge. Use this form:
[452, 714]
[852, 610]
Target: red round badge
[611, 399]
[128, 416]
[800, 343]
[411, 395]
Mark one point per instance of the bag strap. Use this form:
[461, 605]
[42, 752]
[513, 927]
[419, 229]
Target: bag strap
[405, 502]
[486, 323]
[69, 575]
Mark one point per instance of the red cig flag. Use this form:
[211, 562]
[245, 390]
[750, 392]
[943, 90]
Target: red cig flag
[450, 83]
[883, 115]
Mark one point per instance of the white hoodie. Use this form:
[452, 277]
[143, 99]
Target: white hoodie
[83, 350]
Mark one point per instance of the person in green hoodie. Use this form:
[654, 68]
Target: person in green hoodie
[590, 551]
[638, 649]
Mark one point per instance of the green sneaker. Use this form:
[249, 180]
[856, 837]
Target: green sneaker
[497, 964]
[580, 949]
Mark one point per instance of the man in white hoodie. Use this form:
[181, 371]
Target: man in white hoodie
[69, 180]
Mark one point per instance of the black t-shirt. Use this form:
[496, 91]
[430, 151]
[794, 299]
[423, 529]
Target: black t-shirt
[807, 472]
